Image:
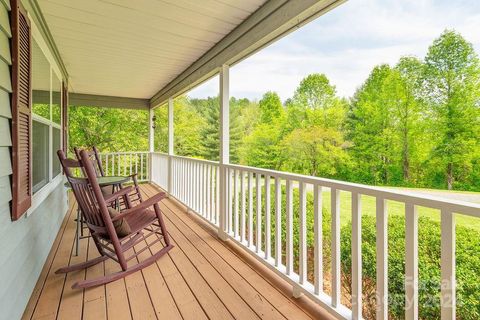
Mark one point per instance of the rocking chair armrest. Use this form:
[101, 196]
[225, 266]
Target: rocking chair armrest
[141, 206]
[118, 194]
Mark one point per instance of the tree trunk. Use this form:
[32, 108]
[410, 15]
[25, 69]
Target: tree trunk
[450, 176]
[406, 159]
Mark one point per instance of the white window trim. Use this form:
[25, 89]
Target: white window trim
[53, 182]
[44, 192]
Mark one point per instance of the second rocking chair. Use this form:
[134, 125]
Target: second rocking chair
[121, 236]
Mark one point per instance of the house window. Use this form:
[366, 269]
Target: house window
[46, 124]
[56, 141]
[40, 155]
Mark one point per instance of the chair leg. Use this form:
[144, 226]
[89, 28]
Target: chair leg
[79, 213]
[77, 233]
[119, 275]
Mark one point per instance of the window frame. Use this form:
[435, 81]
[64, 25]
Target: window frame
[53, 181]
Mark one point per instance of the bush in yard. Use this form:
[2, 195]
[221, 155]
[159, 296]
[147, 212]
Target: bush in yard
[467, 261]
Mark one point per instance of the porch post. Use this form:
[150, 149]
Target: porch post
[170, 145]
[224, 148]
[151, 145]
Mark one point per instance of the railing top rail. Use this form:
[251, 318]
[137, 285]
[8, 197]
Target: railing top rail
[122, 153]
[215, 163]
[457, 206]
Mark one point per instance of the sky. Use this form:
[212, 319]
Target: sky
[347, 42]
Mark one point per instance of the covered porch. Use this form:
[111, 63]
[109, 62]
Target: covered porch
[203, 278]
[250, 243]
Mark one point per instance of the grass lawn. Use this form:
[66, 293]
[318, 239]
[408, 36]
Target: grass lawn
[394, 208]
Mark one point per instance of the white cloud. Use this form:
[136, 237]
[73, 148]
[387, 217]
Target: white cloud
[348, 42]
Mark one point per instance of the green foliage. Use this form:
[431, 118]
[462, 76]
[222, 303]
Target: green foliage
[187, 127]
[318, 98]
[371, 127]
[317, 151]
[260, 148]
[467, 262]
[161, 129]
[42, 110]
[111, 130]
[452, 83]
[271, 109]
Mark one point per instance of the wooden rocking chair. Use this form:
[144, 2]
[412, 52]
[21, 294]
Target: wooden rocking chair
[94, 157]
[144, 221]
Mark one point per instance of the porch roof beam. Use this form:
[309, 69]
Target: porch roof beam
[79, 99]
[273, 20]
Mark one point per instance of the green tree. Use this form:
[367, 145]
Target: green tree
[209, 110]
[452, 83]
[271, 108]
[406, 83]
[370, 128]
[260, 148]
[111, 130]
[187, 127]
[314, 151]
[318, 97]
[161, 129]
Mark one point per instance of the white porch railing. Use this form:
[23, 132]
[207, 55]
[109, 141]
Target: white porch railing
[254, 194]
[126, 163]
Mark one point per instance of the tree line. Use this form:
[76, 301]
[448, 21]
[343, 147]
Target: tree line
[416, 123]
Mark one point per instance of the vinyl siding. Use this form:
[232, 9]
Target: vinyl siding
[24, 244]
[5, 139]
[4, 46]
[4, 21]
[5, 80]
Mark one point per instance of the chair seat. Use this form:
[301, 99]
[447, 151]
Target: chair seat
[140, 220]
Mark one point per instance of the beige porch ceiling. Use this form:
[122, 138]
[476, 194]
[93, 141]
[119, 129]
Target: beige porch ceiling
[128, 48]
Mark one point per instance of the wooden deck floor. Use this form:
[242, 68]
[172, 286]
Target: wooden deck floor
[200, 278]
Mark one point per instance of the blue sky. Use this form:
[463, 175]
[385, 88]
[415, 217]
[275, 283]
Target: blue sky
[347, 42]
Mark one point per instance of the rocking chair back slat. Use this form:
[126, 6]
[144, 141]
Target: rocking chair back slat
[94, 157]
[82, 190]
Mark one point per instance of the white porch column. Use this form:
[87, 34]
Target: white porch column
[151, 145]
[170, 145]
[224, 147]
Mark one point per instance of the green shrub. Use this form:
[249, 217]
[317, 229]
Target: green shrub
[467, 261]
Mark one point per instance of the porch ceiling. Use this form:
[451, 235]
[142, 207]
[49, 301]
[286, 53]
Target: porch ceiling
[127, 48]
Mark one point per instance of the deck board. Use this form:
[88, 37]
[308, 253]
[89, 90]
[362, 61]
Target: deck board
[200, 278]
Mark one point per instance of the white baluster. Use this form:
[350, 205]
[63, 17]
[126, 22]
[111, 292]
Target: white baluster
[268, 230]
[356, 256]
[278, 222]
[317, 225]
[303, 234]
[382, 259]
[289, 209]
[411, 262]
[259, 213]
[243, 210]
[250, 208]
[236, 204]
[217, 195]
[447, 265]
[335, 202]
